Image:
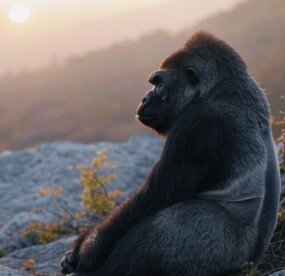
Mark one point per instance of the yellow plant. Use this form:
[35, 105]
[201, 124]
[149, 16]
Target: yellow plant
[95, 197]
[281, 139]
[1, 251]
[56, 192]
[249, 269]
[281, 215]
[39, 233]
[29, 266]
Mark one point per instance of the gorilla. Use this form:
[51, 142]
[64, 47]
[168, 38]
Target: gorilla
[210, 203]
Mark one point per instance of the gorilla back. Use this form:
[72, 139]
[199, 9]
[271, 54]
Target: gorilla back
[210, 203]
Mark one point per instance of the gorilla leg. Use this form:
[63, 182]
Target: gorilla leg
[190, 238]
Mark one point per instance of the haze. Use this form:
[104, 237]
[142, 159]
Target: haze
[58, 29]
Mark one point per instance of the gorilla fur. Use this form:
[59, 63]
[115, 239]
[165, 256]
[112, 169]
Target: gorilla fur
[210, 203]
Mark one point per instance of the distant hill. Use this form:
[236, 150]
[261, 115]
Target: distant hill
[94, 97]
[49, 38]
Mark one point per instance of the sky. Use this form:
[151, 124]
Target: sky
[57, 29]
[101, 7]
[71, 11]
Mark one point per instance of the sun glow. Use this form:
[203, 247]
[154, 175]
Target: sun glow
[19, 14]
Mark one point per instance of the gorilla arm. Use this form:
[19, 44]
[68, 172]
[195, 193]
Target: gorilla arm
[184, 163]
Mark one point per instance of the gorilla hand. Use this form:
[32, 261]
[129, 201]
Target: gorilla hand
[85, 254]
[69, 262]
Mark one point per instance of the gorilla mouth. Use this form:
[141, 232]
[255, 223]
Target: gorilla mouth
[146, 119]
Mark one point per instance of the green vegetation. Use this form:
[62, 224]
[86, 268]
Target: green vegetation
[95, 197]
[38, 233]
[1, 251]
[249, 269]
[281, 139]
[96, 200]
[29, 266]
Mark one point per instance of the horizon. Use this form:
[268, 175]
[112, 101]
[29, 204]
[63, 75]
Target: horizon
[69, 94]
[54, 32]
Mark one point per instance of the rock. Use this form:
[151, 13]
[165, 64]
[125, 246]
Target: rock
[10, 233]
[23, 173]
[5, 271]
[47, 257]
[278, 273]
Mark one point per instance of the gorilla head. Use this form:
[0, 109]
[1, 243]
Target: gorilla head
[173, 90]
[187, 77]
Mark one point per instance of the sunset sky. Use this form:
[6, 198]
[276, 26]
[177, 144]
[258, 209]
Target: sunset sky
[41, 31]
[73, 11]
[49, 14]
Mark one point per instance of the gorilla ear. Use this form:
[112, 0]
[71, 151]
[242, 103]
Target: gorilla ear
[192, 75]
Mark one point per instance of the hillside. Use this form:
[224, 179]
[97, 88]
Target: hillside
[54, 34]
[95, 96]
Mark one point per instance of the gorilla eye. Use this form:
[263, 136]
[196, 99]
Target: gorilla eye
[157, 81]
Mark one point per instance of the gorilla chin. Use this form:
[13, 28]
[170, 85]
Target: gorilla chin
[153, 122]
[149, 120]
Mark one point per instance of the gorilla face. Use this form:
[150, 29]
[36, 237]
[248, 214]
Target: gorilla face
[172, 92]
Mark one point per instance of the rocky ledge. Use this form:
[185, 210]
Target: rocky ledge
[24, 173]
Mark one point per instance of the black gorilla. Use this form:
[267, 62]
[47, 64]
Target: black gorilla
[210, 202]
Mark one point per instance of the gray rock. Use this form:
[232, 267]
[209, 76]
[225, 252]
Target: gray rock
[10, 233]
[24, 173]
[47, 257]
[5, 271]
[278, 273]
